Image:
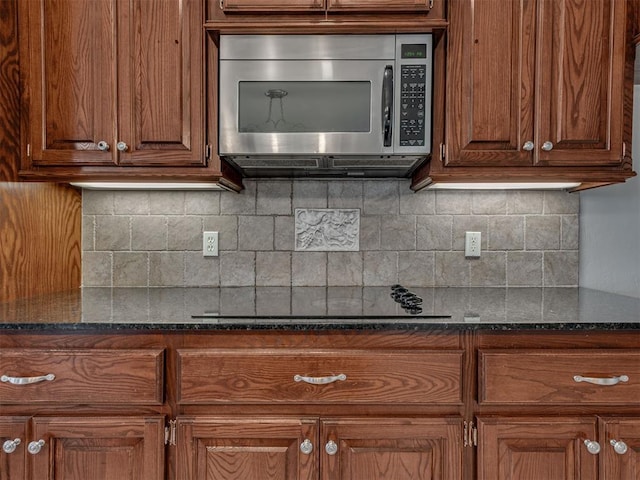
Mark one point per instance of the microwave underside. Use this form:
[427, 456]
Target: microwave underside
[332, 166]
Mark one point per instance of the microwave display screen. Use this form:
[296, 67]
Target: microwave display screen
[410, 50]
[304, 106]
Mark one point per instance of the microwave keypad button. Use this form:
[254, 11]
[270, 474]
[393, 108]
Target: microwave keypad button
[412, 131]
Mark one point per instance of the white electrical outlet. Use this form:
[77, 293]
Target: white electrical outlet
[210, 244]
[472, 242]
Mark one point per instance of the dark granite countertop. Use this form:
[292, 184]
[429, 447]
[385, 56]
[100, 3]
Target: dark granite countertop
[320, 308]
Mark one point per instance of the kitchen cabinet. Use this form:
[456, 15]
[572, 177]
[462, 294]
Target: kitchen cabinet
[12, 437]
[324, 16]
[100, 448]
[537, 89]
[620, 441]
[309, 448]
[384, 404]
[113, 89]
[93, 441]
[322, 5]
[536, 448]
[320, 393]
[580, 437]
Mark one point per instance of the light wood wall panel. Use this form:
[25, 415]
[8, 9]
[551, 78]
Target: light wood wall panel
[40, 224]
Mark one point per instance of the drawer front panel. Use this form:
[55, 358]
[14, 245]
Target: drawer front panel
[549, 377]
[269, 376]
[88, 376]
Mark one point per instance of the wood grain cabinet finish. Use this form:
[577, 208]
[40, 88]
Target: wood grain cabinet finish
[536, 83]
[81, 376]
[308, 448]
[13, 444]
[98, 448]
[559, 377]
[278, 376]
[112, 82]
[322, 5]
[620, 441]
[385, 448]
[550, 448]
[238, 448]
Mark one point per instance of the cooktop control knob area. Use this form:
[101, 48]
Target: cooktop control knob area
[411, 302]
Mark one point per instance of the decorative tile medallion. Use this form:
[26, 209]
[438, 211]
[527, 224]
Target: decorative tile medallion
[327, 230]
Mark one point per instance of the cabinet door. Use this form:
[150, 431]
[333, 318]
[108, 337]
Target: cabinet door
[391, 449]
[70, 86]
[536, 448]
[490, 83]
[235, 448]
[13, 448]
[270, 5]
[620, 440]
[118, 448]
[160, 82]
[581, 82]
[380, 5]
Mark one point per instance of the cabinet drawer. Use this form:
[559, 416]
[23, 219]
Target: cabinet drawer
[547, 377]
[94, 376]
[273, 376]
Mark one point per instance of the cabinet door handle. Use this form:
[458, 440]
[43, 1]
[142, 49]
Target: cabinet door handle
[9, 446]
[34, 447]
[547, 146]
[306, 447]
[331, 448]
[27, 380]
[593, 447]
[601, 381]
[320, 380]
[122, 146]
[528, 146]
[619, 446]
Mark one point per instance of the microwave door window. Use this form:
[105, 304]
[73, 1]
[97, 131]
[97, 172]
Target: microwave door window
[304, 107]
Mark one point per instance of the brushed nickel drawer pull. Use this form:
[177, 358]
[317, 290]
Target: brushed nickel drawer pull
[320, 380]
[601, 381]
[27, 380]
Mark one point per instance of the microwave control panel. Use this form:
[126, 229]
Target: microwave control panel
[413, 80]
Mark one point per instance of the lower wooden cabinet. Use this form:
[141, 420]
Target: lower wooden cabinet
[558, 448]
[620, 441]
[536, 448]
[308, 448]
[96, 448]
[12, 457]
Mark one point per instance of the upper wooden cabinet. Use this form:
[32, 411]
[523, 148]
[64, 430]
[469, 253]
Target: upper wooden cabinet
[537, 83]
[324, 16]
[112, 83]
[321, 5]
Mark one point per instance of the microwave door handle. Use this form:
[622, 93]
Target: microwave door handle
[387, 105]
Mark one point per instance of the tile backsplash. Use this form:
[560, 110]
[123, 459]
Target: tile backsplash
[154, 238]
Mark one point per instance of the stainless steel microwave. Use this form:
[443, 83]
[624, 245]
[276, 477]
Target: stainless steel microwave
[332, 104]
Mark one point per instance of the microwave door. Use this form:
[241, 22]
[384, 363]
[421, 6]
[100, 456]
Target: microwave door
[305, 107]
